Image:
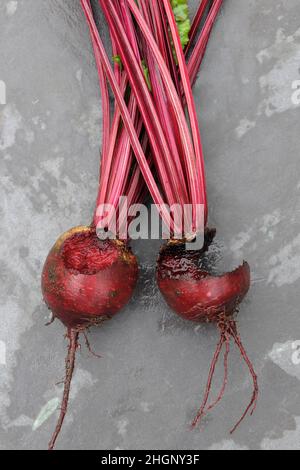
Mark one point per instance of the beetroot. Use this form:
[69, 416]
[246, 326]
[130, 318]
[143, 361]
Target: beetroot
[83, 285]
[83, 278]
[196, 295]
[193, 293]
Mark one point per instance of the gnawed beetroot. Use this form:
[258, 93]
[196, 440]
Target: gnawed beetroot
[196, 295]
[85, 282]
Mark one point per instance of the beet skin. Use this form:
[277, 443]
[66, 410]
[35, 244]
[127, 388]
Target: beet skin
[86, 280]
[193, 293]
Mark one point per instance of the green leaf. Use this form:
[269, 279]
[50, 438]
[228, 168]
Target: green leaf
[181, 13]
[147, 75]
[117, 60]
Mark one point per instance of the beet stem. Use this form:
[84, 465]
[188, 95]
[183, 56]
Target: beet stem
[191, 109]
[70, 364]
[196, 23]
[198, 52]
[175, 105]
[146, 105]
[201, 411]
[135, 142]
[244, 354]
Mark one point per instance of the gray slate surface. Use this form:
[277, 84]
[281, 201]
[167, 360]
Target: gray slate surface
[145, 390]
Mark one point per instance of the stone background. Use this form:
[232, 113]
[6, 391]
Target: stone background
[145, 390]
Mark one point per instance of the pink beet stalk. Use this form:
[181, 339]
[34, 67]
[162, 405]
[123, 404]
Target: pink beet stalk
[196, 57]
[196, 22]
[141, 92]
[144, 166]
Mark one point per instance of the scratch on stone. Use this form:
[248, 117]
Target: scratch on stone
[286, 50]
[122, 427]
[286, 264]
[285, 356]
[244, 127]
[266, 225]
[289, 441]
[227, 445]
[48, 410]
[11, 122]
[11, 7]
[276, 85]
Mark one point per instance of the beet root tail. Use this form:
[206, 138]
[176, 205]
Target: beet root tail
[70, 365]
[228, 330]
[225, 380]
[253, 402]
[202, 410]
[89, 348]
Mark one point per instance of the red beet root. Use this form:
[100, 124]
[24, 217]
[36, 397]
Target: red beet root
[85, 281]
[196, 295]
